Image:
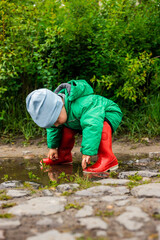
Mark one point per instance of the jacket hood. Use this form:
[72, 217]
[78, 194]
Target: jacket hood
[75, 89]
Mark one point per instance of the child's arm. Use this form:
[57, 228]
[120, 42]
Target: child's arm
[54, 136]
[92, 124]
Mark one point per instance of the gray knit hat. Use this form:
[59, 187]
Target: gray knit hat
[44, 106]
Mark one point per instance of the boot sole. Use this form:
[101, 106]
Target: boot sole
[108, 170]
[112, 168]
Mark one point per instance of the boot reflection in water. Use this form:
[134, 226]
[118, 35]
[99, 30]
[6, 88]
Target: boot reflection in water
[56, 170]
[106, 159]
[64, 150]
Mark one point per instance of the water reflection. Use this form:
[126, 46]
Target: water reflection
[22, 169]
[55, 171]
[96, 176]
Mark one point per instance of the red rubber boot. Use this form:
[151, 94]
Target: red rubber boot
[64, 150]
[106, 159]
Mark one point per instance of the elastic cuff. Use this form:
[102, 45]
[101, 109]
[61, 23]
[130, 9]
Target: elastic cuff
[106, 120]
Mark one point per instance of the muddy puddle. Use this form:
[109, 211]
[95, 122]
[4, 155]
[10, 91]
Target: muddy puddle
[30, 170]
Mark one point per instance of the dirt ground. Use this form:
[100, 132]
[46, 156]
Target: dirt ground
[38, 148]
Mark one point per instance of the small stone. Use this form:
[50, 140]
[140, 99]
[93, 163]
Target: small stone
[101, 233]
[59, 220]
[1, 202]
[145, 139]
[93, 223]
[94, 191]
[47, 192]
[158, 230]
[141, 173]
[33, 184]
[113, 181]
[86, 211]
[154, 154]
[45, 222]
[109, 207]
[94, 200]
[39, 206]
[65, 187]
[9, 224]
[122, 203]
[2, 234]
[119, 190]
[146, 179]
[78, 235]
[26, 152]
[28, 157]
[142, 162]
[11, 184]
[133, 219]
[16, 193]
[147, 190]
[114, 198]
[52, 235]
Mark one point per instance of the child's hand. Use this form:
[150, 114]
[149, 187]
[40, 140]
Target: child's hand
[85, 160]
[53, 154]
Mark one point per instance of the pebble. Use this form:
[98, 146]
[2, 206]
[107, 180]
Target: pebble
[45, 222]
[158, 230]
[86, 211]
[47, 192]
[2, 234]
[133, 219]
[16, 193]
[122, 203]
[9, 223]
[29, 156]
[65, 187]
[26, 152]
[141, 173]
[142, 162]
[39, 206]
[94, 191]
[114, 198]
[154, 154]
[147, 190]
[11, 184]
[93, 223]
[52, 235]
[101, 233]
[113, 181]
[33, 184]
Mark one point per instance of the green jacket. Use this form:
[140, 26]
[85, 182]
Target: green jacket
[86, 112]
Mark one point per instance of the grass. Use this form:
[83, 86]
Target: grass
[6, 215]
[136, 180]
[135, 177]
[7, 205]
[156, 216]
[4, 197]
[83, 182]
[73, 205]
[32, 176]
[105, 213]
[113, 174]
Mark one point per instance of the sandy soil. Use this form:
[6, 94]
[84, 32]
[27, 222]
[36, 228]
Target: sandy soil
[37, 148]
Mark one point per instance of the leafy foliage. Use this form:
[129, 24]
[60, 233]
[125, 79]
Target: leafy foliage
[113, 44]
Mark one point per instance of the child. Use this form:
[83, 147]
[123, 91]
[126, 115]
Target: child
[72, 107]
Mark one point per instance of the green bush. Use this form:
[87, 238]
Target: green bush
[113, 44]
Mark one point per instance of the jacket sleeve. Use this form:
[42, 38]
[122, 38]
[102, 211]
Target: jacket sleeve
[54, 136]
[92, 124]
